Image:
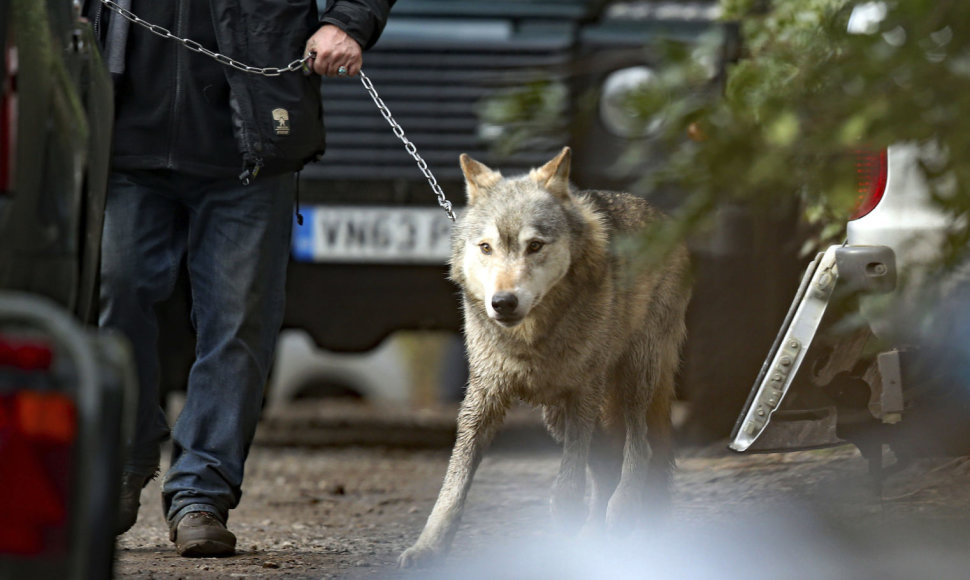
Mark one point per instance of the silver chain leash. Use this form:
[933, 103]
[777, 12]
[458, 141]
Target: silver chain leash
[296, 65]
[408, 145]
[196, 47]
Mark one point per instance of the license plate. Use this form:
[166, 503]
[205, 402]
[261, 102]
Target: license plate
[373, 235]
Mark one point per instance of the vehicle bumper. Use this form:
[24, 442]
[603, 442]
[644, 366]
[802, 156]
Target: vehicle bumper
[850, 269]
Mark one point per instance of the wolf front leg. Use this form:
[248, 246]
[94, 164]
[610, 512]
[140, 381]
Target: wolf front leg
[480, 415]
[625, 506]
[646, 417]
[578, 420]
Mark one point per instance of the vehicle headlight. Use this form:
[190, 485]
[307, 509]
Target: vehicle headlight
[617, 109]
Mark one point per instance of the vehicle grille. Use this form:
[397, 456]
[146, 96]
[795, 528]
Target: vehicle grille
[434, 89]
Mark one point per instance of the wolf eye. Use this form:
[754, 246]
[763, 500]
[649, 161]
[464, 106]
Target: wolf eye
[486, 249]
[534, 246]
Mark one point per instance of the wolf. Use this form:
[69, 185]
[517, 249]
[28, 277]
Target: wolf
[561, 314]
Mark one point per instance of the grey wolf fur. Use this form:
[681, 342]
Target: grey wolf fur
[557, 315]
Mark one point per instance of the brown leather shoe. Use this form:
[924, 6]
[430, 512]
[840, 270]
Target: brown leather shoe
[201, 534]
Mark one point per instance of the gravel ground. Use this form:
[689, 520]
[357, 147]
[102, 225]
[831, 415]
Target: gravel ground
[347, 509]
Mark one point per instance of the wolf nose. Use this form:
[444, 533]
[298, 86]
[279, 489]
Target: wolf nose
[504, 303]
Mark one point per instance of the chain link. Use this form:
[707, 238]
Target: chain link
[294, 66]
[194, 46]
[408, 145]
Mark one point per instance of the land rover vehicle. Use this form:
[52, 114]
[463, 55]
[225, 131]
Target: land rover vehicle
[64, 389]
[894, 377]
[370, 257]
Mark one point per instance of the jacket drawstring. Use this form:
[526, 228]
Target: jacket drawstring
[299, 216]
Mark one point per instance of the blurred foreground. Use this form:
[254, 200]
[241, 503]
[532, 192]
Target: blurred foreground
[344, 506]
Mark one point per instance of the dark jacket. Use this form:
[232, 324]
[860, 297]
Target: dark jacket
[190, 113]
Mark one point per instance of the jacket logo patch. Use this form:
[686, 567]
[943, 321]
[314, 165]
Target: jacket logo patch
[281, 121]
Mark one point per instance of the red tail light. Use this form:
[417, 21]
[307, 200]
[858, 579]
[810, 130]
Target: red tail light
[38, 429]
[871, 170]
[25, 355]
[8, 122]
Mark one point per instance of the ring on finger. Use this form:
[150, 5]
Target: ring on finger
[342, 71]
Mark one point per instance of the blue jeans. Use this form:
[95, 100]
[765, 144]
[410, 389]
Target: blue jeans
[235, 240]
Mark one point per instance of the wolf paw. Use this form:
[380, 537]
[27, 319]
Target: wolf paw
[417, 556]
[568, 511]
[622, 511]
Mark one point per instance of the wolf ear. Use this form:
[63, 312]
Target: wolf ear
[554, 176]
[478, 177]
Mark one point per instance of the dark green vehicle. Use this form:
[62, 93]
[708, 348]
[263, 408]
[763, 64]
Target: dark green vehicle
[64, 389]
[370, 257]
[56, 128]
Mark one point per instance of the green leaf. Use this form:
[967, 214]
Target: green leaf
[783, 130]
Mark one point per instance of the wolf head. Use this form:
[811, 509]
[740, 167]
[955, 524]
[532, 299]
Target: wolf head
[513, 243]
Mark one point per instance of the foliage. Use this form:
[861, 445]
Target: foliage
[786, 119]
[525, 116]
[806, 94]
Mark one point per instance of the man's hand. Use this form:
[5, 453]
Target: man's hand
[334, 49]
